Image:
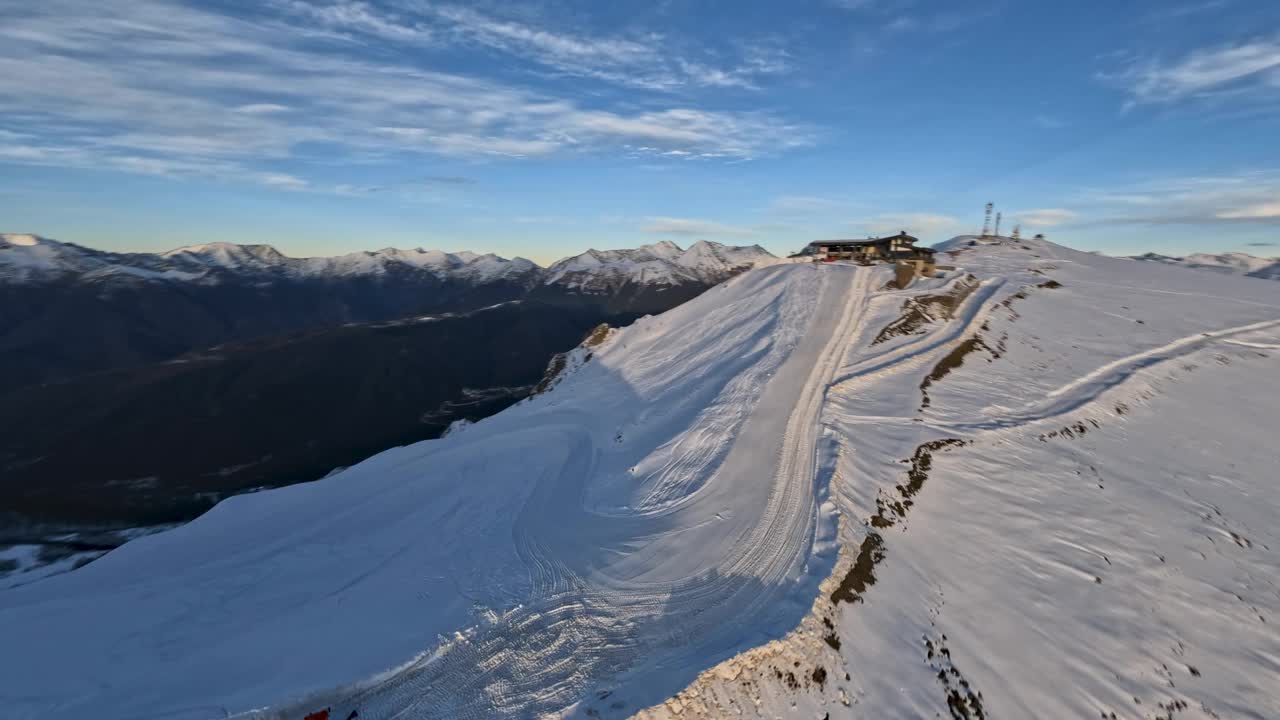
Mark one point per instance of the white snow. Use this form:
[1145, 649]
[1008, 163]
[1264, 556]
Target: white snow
[1101, 544]
[667, 526]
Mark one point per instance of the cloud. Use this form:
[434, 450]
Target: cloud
[1242, 198]
[920, 224]
[1049, 122]
[1241, 70]
[641, 61]
[1044, 217]
[1261, 244]
[691, 226]
[165, 89]
[261, 108]
[447, 180]
[282, 180]
[804, 205]
[1260, 211]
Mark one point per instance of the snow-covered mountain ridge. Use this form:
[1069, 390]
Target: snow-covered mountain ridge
[799, 494]
[31, 258]
[1233, 263]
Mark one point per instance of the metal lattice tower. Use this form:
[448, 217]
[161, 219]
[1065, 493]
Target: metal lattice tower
[986, 220]
[1017, 232]
[998, 216]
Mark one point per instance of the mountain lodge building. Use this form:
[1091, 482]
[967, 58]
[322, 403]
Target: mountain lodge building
[898, 249]
[885, 249]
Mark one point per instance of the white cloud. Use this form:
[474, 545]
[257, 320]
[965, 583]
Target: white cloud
[1050, 122]
[924, 225]
[692, 226]
[804, 205]
[283, 180]
[1260, 211]
[1044, 217]
[1246, 197]
[261, 108]
[639, 61]
[152, 87]
[1203, 73]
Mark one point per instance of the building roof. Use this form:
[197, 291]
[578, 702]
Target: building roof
[866, 241]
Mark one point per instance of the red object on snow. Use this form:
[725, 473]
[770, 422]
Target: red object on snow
[318, 715]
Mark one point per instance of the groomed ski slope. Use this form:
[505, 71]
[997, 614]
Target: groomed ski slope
[1058, 500]
[654, 513]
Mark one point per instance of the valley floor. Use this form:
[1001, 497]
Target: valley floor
[1039, 487]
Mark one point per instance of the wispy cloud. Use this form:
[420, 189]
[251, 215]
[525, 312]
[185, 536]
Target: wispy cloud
[1050, 122]
[168, 89]
[805, 205]
[638, 61]
[1242, 198]
[1043, 217]
[693, 226]
[1247, 70]
[926, 225]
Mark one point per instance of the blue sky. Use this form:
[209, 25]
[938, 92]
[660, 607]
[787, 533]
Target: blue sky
[541, 129]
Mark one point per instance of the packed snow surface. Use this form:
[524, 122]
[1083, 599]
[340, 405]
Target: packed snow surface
[1040, 486]
[1057, 499]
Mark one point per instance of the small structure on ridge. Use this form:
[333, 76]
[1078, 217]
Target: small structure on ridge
[900, 248]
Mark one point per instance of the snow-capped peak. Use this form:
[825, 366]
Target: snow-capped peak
[21, 239]
[661, 263]
[1231, 263]
[28, 257]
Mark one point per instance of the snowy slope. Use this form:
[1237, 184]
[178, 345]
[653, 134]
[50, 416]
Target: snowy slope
[1228, 263]
[618, 526]
[1038, 487]
[1056, 501]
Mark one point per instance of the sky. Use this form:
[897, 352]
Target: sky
[543, 128]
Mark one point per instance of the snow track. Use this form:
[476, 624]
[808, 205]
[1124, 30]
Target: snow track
[1102, 513]
[594, 623]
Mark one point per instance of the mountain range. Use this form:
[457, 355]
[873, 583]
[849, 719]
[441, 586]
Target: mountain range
[66, 309]
[1232, 263]
[142, 388]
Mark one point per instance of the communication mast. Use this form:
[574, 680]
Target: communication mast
[986, 221]
[1017, 232]
[998, 216]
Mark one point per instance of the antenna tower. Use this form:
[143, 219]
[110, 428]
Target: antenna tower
[986, 221]
[1017, 232]
[998, 216]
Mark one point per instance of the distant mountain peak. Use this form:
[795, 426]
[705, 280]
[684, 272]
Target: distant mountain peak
[1230, 263]
[663, 263]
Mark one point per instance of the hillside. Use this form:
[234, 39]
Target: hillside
[163, 442]
[796, 494]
